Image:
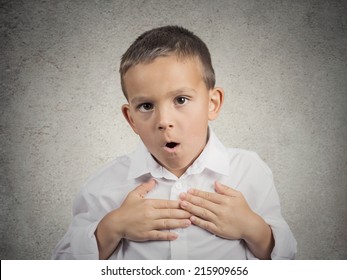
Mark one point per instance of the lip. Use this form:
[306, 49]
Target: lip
[171, 150]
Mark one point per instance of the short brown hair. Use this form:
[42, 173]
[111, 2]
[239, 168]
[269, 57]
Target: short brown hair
[164, 41]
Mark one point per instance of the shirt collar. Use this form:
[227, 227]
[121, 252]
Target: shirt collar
[214, 157]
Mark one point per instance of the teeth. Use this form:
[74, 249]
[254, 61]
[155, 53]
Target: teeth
[171, 145]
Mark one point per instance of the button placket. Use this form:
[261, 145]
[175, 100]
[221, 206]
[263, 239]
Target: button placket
[178, 186]
[176, 189]
[178, 246]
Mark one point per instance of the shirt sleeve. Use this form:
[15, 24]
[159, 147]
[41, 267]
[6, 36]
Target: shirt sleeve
[79, 242]
[262, 197]
[285, 243]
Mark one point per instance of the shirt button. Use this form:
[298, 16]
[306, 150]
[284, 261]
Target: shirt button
[178, 230]
[178, 186]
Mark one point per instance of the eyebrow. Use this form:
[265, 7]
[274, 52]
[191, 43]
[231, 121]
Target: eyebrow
[140, 99]
[181, 90]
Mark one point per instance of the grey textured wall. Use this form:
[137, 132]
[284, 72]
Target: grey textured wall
[282, 64]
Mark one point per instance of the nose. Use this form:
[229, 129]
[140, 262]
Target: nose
[164, 119]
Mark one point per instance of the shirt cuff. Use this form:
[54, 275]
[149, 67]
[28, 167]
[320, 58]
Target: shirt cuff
[79, 244]
[285, 244]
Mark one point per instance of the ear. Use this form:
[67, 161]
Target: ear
[216, 99]
[127, 115]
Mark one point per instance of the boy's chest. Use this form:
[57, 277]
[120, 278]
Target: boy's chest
[169, 189]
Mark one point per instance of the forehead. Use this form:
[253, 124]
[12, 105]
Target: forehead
[166, 73]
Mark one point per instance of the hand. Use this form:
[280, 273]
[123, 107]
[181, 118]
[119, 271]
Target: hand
[227, 214]
[140, 219]
[224, 213]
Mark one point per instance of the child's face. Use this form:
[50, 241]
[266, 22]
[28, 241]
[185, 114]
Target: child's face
[169, 108]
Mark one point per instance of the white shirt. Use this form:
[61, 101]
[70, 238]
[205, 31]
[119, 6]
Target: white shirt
[239, 169]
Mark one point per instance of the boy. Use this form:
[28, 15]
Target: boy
[181, 194]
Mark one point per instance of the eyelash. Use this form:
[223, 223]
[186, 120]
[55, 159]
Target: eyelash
[181, 97]
[141, 108]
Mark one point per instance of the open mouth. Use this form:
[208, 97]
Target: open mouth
[171, 145]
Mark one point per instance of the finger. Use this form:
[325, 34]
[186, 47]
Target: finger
[171, 214]
[209, 226]
[165, 204]
[171, 223]
[213, 197]
[143, 189]
[199, 201]
[222, 189]
[161, 235]
[198, 211]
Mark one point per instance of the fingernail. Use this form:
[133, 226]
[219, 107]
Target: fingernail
[217, 185]
[191, 191]
[193, 219]
[183, 196]
[173, 236]
[184, 204]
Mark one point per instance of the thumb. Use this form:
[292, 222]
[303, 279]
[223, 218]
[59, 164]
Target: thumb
[143, 189]
[222, 189]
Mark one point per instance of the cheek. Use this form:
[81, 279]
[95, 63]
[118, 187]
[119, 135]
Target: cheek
[145, 132]
[196, 130]
[198, 116]
[141, 120]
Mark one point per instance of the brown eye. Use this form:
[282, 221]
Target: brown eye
[145, 107]
[181, 100]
